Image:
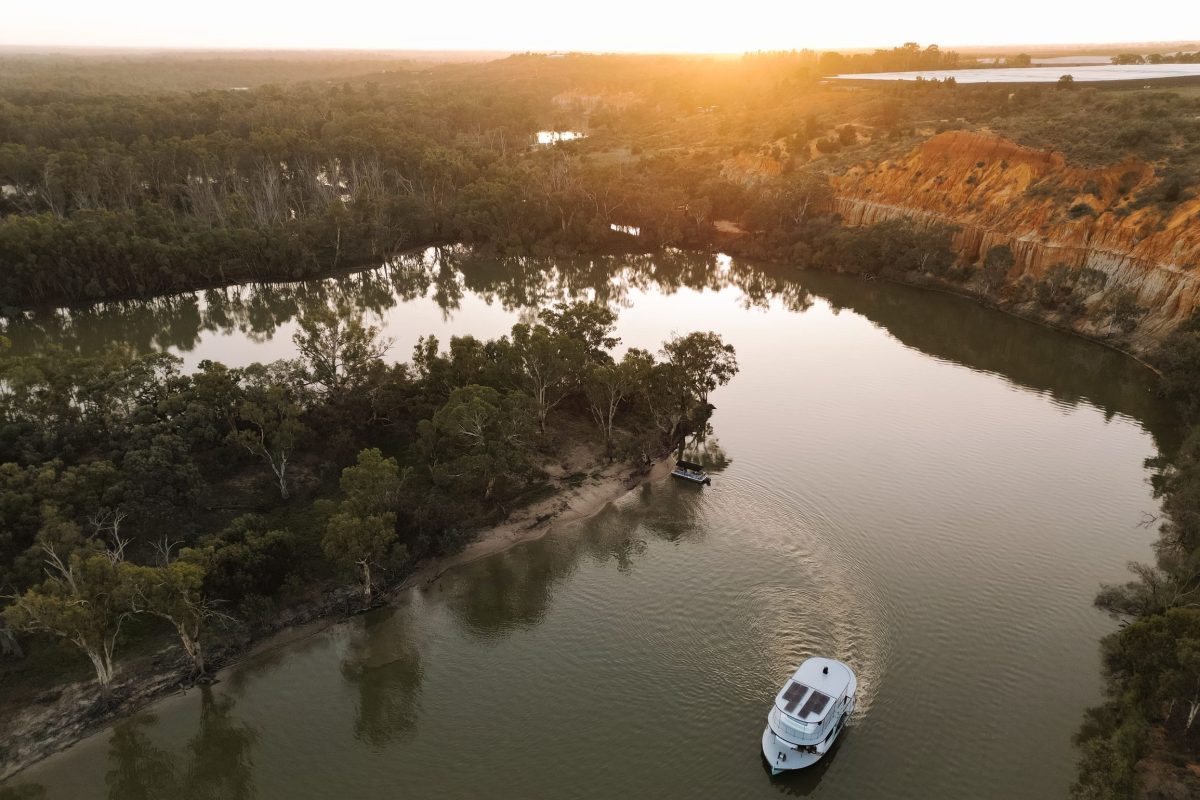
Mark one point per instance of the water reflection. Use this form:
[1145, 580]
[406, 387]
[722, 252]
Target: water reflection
[509, 591]
[138, 769]
[705, 449]
[657, 511]
[444, 275]
[383, 664]
[219, 758]
[515, 589]
[1068, 368]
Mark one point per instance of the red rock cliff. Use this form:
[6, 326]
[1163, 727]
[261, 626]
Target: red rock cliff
[998, 192]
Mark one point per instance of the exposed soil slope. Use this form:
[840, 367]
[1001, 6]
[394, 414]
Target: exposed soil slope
[1048, 211]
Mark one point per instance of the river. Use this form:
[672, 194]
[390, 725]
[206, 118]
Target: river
[926, 489]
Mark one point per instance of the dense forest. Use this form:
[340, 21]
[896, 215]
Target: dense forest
[138, 194]
[108, 195]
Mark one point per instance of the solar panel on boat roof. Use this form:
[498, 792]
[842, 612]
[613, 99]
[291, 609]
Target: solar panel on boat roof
[793, 694]
[815, 705]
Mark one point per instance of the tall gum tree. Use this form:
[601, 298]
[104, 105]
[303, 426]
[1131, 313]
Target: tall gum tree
[361, 534]
[608, 386]
[269, 426]
[337, 347]
[175, 592]
[701, 361]
[480, 440]
[86, 598]
[546, 366]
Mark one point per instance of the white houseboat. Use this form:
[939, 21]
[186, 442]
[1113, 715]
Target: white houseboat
[809, 712]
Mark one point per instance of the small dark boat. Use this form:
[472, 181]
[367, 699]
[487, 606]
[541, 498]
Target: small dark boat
[691, 472]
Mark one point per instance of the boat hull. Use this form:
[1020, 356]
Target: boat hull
[783, 756]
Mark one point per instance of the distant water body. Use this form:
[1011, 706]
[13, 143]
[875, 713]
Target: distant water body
[1046, 74]
[926, 489]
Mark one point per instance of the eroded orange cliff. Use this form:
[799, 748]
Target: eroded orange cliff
[1047, 210]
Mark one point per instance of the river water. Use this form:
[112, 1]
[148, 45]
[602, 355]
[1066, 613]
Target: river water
[923, 488]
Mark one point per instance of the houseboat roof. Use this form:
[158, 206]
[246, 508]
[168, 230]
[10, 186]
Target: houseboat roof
[813, 689]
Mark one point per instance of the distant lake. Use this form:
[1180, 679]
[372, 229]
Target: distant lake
[924, 488]
[1048, 74]
[1058, 61]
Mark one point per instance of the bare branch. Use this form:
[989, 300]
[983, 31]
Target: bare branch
[162, 550]
[107, 522]
[58, 570]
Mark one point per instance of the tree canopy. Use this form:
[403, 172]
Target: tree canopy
[206, 499]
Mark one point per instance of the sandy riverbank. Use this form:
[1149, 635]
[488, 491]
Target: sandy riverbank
[73, 712]
[568, 504]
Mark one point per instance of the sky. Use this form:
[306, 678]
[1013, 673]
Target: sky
[607, 25]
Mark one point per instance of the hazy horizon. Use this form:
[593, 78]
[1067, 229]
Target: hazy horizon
[1066, 48]
[622, 26]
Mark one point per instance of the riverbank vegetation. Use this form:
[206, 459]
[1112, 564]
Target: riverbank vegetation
[1144, 741]
[142, 504]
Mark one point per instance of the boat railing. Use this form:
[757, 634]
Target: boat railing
[793, 730]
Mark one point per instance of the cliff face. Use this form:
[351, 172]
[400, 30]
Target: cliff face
[1048, 211]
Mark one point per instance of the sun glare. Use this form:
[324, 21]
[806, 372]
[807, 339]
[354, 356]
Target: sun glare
[548, 25]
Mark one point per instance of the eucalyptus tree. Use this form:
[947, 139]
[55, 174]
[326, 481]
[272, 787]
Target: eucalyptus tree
[701, 361]
[607, 386]
[337, 347]
[174, 591]
[85, 599]
[545, 365]
[479, 443]
[590, 324]
[267, 421]
[361, 533]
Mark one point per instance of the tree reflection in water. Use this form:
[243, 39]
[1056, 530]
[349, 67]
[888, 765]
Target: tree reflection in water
[382, 662]
[444, 275]
[514, 590]
[217, 762]
[705, 449]
[507, 591]
[947, 327]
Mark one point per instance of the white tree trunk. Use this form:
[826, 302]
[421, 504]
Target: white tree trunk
[279, 467]
[366, 565]
[103, 664]
[193, 647]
